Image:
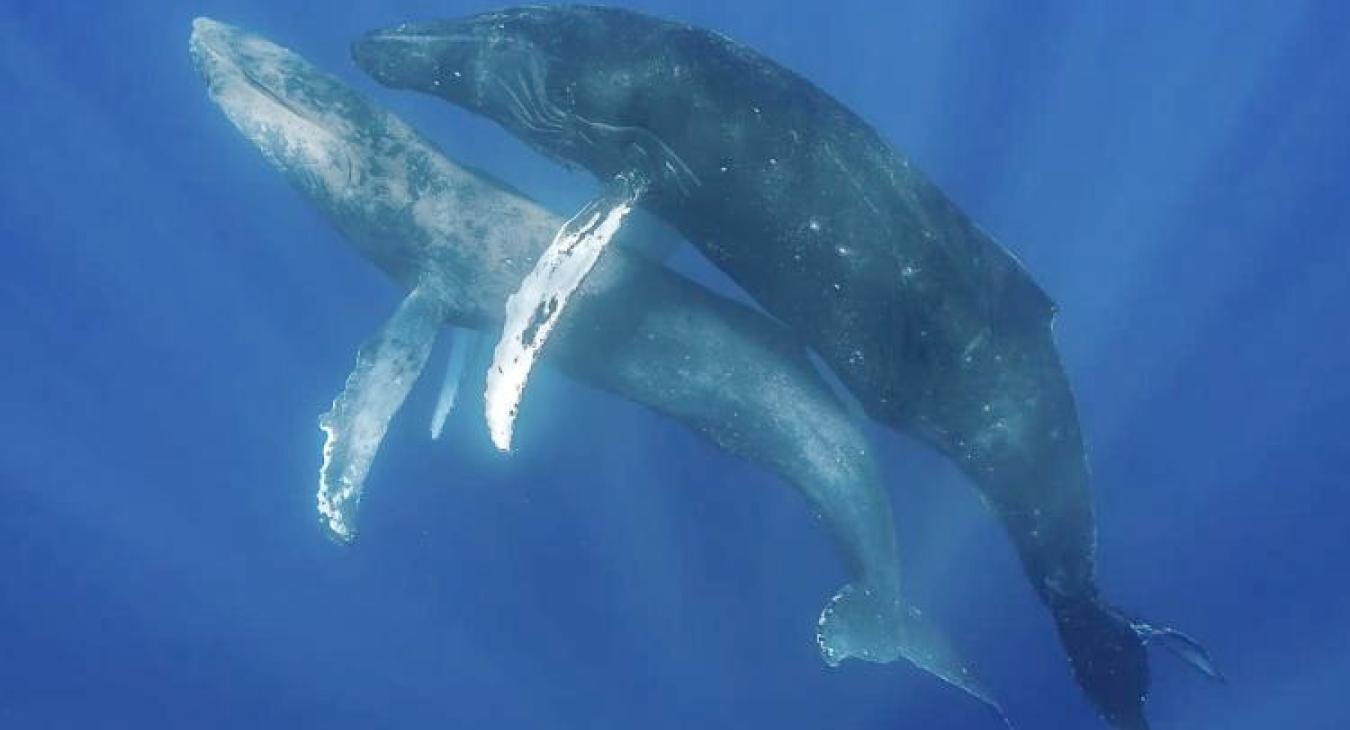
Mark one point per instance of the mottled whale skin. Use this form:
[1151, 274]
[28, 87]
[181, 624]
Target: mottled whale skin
[938, 330]
[639, 330]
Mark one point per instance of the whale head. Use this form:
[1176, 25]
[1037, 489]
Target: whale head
[495, 64]
[303, 121]
[561, 78]
[357, 162]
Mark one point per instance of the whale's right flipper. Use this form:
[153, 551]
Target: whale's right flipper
[387, 365]
[860, 623]
[534, 308]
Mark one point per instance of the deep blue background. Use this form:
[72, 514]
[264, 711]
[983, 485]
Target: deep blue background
[174, 318]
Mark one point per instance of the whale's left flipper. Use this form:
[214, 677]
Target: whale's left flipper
[862, 623]
[387, 365]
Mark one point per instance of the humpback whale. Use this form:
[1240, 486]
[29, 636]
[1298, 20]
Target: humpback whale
[936, 328]
[459, 242]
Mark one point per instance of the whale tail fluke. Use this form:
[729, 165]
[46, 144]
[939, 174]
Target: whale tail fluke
[1181, 646]
[859, 623]
[864, 623]
[1108, 653]
[1107, 657]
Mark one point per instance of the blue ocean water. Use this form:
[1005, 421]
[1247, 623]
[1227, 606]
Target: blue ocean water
[175, 318]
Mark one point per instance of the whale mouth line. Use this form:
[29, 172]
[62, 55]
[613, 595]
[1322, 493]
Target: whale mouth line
[205, 41]
[232, 62]
[286, 104]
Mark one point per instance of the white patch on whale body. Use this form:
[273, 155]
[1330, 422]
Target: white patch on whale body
[534, 308]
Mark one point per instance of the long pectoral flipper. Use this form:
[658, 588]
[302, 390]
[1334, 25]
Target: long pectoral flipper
[535, 307]
[463, 344]
[387, 365]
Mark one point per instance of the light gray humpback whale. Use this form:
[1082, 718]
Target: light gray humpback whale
[460, 243]
[936, 329]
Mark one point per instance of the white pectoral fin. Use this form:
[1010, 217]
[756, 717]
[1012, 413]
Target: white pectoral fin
[387, 365]
[535, 307]
[464, 344]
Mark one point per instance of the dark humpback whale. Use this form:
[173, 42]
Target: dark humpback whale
[937, 329]
[460, 242]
